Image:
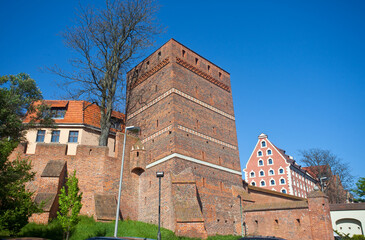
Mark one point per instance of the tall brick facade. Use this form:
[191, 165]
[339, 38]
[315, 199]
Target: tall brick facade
[183, 105]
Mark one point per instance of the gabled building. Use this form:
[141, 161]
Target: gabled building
[76, 122]
[271, 168]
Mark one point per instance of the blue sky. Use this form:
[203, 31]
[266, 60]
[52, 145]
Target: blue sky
[297, 67]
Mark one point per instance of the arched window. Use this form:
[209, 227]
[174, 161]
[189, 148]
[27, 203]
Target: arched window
[259, 153]
[271, 172]
[261, 163]
[262, 173]
[282, 181]
[272, 182]
[283, 190]
[263, 144]
[281, 171]
[262, 183]
[252, 174]
[253, 183]
[269, 152]
[269, 161]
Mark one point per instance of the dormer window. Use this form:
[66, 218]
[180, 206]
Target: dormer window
[58, 112]
[116, 123]
[263, 144]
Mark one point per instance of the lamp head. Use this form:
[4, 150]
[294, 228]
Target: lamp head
[132, 129]
[160, 174]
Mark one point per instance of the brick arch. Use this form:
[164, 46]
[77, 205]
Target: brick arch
[138, 171]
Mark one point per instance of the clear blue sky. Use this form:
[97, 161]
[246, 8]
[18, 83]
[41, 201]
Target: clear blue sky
[297, 67]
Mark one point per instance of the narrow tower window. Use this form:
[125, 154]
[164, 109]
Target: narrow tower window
[196, 60]
[183, 53]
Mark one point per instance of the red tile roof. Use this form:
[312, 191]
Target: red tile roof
[77, 112]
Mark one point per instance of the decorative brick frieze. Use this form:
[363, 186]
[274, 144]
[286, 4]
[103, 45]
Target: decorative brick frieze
[206, 137]
[157, 134]
[202, 74]
[173, 90]
[149, 73]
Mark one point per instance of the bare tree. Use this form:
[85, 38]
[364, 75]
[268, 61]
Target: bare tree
[325, 164]
[106, 42]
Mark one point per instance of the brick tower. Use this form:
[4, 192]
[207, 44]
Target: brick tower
[183, 105]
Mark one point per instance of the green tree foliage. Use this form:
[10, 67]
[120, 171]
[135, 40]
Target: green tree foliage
[17, 93]
[360, 190]
[70, 205]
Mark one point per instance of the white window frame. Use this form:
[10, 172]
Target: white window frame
[274, 182]
[269, 172]
[258, 162]
[262, 154]
[286, 192]
[253, 174]
[263, 141]
[279, 171]
[271, 160]
[260, 173]
[267, 152]
[264, 183]
[280, 181]
[254, 183]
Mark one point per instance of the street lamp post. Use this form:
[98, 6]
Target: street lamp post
[239, 196]
[132, 129]
[159, 175]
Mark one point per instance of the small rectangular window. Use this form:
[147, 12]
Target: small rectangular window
[40, 135]
[55, 136]
[58, 112]
[73, 136]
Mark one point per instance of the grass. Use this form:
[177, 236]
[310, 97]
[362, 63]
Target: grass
[87, 227]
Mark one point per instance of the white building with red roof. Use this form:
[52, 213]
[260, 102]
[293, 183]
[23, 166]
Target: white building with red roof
[271, 168]
[75, 122]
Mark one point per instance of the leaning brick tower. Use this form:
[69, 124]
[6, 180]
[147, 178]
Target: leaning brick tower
[183, 104]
